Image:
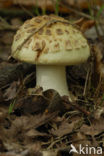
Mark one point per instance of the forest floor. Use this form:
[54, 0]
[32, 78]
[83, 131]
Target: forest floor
[43, 122]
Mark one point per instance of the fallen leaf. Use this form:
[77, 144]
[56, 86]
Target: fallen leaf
[11, 92]
[32, 133]
[96, 127]
[31, 104]
[87, 25]
[54, 100]
[64, 129]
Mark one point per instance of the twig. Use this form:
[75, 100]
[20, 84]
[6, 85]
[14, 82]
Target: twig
[88, 72]
[4, 21]
[5, 25]
[77, 107]
[101, 26]
[58, 139]
[45, 118]
[27, 11]
[63, 3]
[15, 12]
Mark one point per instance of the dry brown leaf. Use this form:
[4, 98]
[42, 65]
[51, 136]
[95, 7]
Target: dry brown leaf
[23, 130]
[32, 133]
[49, 100]
[80, 138]
[87, 25]
[5, 3]
[84, 4]
[11, 92]
[39, 120]
[24, 124]
[54, 100]
[96, 127]
[64, 129]
[46, 3]
[31, 104]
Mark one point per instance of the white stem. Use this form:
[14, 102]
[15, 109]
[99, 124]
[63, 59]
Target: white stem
[52, 77]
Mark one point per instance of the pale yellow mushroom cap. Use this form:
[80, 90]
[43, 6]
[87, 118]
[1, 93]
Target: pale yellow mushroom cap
[50, 40]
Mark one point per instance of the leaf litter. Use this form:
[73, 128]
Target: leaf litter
[42, 123]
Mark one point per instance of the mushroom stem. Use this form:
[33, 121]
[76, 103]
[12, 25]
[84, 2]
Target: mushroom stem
[52, 77]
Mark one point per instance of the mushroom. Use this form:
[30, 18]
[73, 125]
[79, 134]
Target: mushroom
[51, 43]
